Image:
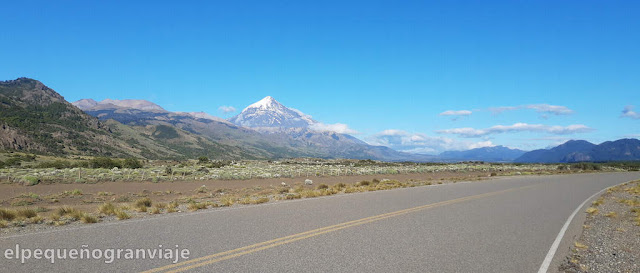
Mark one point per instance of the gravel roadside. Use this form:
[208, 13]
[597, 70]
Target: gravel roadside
[610, 240]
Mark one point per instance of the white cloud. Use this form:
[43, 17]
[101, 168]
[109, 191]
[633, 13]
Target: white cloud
[540, 108]
[518, 127]
[421, 143]
[498, 110]
[551, 109]
[226, 109]
[456, 113]
[336, 127]
[629, 113]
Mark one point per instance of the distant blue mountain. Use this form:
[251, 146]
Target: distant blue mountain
[584, 151]
[488, 154]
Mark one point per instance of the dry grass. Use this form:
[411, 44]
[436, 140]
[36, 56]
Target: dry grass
[598, 202]
[88, 219]
[592, 211]
[580, 245]
[122, 215]
[227, 201]
[27, 213]
[107, 209]
[611, 214]
[7, 215]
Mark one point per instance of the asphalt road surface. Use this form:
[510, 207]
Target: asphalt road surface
[502, 225]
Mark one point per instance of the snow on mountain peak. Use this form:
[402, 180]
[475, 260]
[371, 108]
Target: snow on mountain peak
[268, 112]
[265, 103]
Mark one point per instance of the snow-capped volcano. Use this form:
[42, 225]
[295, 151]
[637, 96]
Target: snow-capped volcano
[270, 113]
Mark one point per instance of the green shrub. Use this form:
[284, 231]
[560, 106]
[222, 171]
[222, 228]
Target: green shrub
[29, 180]
[132, 163]
[104, 162]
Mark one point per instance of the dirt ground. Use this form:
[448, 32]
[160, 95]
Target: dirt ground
[53, 195]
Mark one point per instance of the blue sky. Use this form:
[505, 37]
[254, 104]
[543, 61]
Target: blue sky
[386, 69]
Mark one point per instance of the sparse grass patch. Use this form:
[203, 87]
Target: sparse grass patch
[227, 201]
[21, 203]
[74, 192]
[105, 193]
[580, 245]
[193, 206]
[339, 186]
[202, 189]
[29, 195]
[155, 210]
[611, 214]
[598, 202]
[592, 210]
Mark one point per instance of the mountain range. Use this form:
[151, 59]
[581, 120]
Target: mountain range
[584, 151]
[35, 118]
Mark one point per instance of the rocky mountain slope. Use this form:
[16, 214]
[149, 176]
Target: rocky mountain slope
[35, 118]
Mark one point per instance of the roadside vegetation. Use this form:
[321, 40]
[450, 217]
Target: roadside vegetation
[72, 205]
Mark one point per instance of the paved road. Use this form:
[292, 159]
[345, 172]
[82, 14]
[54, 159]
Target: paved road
[503, 225]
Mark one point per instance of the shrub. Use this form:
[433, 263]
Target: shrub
[29, 180]
[57, 164]
[322, 186]
[203, 159]
[364, 183]
[132, 163]
[494, 174]
[104, 162]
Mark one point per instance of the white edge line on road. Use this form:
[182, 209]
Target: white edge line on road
[554, 247]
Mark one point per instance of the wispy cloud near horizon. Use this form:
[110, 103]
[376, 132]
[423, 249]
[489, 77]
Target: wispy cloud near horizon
[541, 108]
[469, 132]
[421, 143]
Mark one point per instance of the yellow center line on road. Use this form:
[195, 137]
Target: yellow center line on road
[226, 255]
